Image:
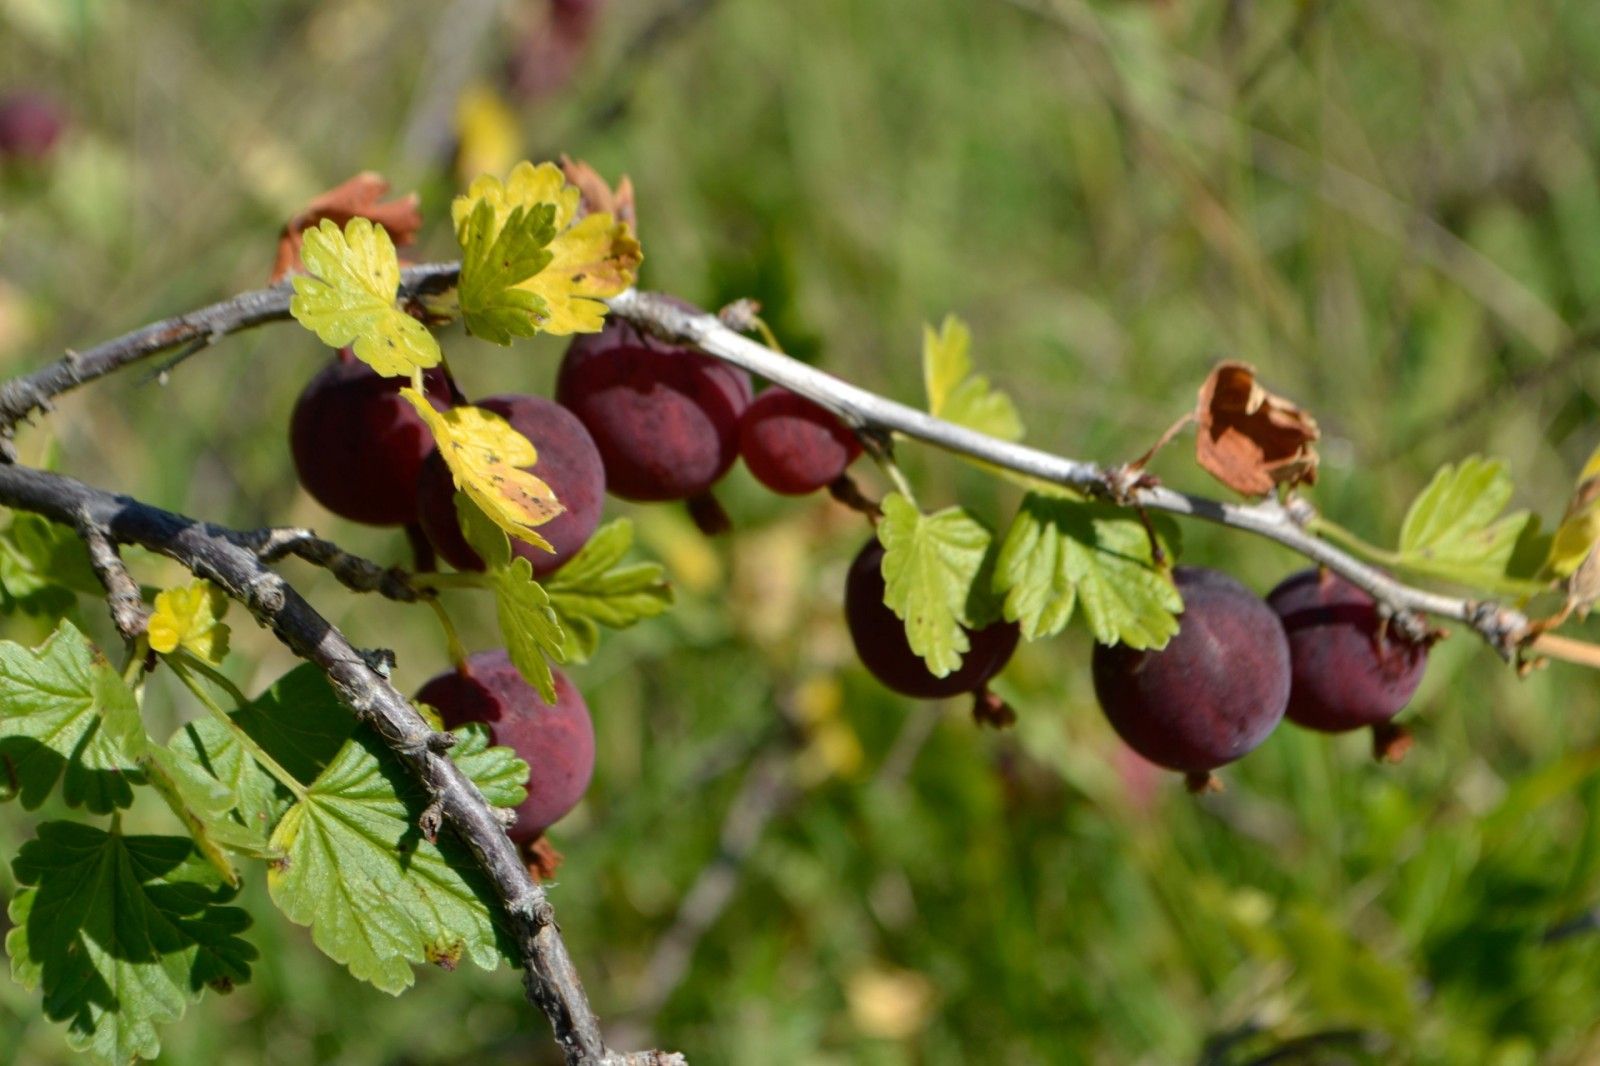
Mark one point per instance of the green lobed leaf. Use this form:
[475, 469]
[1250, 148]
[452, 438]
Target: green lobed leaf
[298, 722]
[1454, 530]
[66, 715]
[528, 625]
[378, 896]
[494, 259]
[349, 298]
[205, 806]
[42, 565]
[958, 395]
[593, 589]
[1060, 553]
[120, 933]
[931, 569]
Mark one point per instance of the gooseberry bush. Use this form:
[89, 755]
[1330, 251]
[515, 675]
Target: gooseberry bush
[413, 831]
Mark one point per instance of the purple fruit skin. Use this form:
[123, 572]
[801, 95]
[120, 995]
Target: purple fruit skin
[555, 740]
[1214, 692]
[880, 639]
[1347, 672]
[568, 462]
[30, 125]
[358, 445]
[666, 419]
[792, 445]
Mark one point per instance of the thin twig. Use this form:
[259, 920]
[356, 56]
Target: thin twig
[21, 396]
[212, 553]
[354, 572]
[128, 610]
[1501, 626]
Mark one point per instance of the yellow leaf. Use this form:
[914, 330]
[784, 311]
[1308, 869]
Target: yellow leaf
[190, 617]
[485, 455]
[487, 134]
[955, 393]
[591, 257]
[350, 298]
[1579, 531]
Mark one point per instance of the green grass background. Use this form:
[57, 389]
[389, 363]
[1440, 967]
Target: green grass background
[1391, 207]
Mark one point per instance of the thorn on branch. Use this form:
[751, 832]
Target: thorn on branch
[740, 315]
[380, 661]
[431, 820]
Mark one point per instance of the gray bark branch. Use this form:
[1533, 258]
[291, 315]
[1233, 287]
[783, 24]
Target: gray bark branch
[215, 554]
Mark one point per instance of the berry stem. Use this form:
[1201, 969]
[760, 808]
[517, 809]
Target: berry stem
[452, 642]
[423, 559]
[1566, 649]
[180, 665]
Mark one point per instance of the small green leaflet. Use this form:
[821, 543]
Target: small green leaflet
[66, 715]
[592, 589]
[49, 553]
[350, 298]
[527, 622]
[958, 395]
[42, 564]
[1060, 553]
[121, 932]
[931, 567]
[299, 722]
[377, 895]
[493, 260]
[1454, 530]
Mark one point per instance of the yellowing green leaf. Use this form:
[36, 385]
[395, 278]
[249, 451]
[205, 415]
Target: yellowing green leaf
[527, 623]
[930, 566]
[191, 618]
[1579, 531]
[484, 454]
[349, 299]
[498, 254]
[958, 395]
[590, 258]
[1060, 553]
[1454, 531]
[594, 589]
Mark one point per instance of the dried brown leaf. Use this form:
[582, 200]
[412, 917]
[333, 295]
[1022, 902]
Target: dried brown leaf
[596, 196]
[1250, 439]
[356, 198]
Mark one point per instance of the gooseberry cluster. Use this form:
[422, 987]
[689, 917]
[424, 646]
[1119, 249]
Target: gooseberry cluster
[636, 416]
[1316, 650]
[650, 420]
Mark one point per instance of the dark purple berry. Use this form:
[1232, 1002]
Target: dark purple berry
[555, 740]
[1214, 692]
[792, 445]
[1349, 670]
[880, 639]
[30, 125]
[665, 418]
[358, 445]
[568, 462]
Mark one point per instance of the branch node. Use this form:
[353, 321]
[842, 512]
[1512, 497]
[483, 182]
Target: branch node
[380, 661]
[430, 821]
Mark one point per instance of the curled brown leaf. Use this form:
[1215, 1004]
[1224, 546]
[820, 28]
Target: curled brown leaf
[596, 195]
[1250, 439]
[357, 197]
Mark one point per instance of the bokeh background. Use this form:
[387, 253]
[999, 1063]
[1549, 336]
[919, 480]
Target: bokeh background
[1391, 207]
